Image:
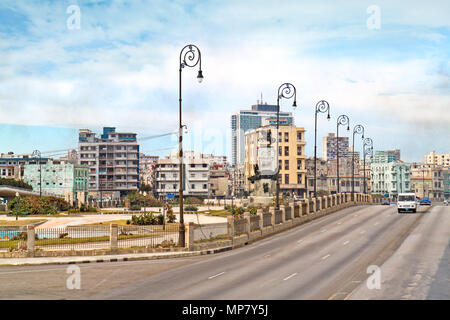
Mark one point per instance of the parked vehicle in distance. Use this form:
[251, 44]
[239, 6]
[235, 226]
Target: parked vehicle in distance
[406, 202]
[425, 202]
[445, 202]
[385, 202]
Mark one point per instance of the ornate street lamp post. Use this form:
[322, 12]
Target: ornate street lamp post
[322, 106]
[37, 154]
[190, 56]
[342, 120]
[367, 150]
[287, 91]
[358, 129]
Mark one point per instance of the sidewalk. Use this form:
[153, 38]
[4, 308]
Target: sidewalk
[106, 258]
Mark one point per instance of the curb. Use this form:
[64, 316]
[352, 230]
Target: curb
[112, 258]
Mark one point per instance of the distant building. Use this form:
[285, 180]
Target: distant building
[12, 166]
[59, 179]
[386, 156]
[390, 178]
[329, 147]
[246, 120]
[430, 181]
[218, 180]
[147, 165]
[113, 159]
[327, 176]
[438, 159]
[195, 176]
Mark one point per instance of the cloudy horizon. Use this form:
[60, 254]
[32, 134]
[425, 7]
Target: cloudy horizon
[120, 69]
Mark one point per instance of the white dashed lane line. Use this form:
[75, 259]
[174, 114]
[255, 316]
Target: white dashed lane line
[324, 257]
[292, 275]
[346, 242]
[214, 276]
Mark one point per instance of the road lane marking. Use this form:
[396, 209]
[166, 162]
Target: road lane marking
[376, 223]
[292, 275]
[267, 255]
[216, 275]
[323, 258]
[301, 240]
[339, 222]
[323, 230]
[346, 242]
[362, 232]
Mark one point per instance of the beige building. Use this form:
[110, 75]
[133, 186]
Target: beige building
[429, 180]
[438, 159]
[291, 157]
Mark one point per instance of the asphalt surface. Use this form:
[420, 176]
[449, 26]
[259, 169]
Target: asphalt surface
[324, 259]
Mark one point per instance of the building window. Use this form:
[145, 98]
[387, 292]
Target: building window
[299, 164]
[299, 150]
[286, 164]
[286, 179]
[286, 137]
[279, 151]
[205, 186]
[192, 186]
[286, 151]
[299, 136]
[299, 178]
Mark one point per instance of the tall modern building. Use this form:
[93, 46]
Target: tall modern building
[113, 160]
[329, 147]
[246, 120]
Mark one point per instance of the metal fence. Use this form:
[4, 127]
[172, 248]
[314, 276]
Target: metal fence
[148, 236]
[278, 217]
[11, 237]
[90, 237]
[72, 238]
[239, 226]
[267, 219]
[254, 223]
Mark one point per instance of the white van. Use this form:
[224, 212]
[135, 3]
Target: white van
[406, 202]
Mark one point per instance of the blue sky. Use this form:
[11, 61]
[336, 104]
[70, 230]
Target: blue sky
[120, 68]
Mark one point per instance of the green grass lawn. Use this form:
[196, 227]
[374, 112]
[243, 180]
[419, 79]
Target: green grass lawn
[216, 213]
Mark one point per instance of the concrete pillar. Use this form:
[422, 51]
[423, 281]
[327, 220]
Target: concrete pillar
[189, 234]
[283, 213]
[325, 202]
[31, 234]
[260, 214]
[307, 207]
[314, 205]
[113, 237]
[272, 216]
[247, 222]
[230, 225]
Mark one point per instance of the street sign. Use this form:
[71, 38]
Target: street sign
[171, 196]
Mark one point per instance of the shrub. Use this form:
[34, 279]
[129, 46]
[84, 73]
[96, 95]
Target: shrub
[15, 183]
[192, 200]
[137, 199]
[190, 208]
[253, 210]
[170, 216]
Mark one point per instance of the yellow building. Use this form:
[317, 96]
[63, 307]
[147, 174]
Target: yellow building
[291, 157]
[438, 159]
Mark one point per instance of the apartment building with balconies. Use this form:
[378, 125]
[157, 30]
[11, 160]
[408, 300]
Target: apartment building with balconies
[195, 177]
[113, 160]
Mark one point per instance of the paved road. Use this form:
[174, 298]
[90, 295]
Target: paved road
[324, 259]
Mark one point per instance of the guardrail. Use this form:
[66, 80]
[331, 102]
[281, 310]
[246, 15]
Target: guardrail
[268, 221]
